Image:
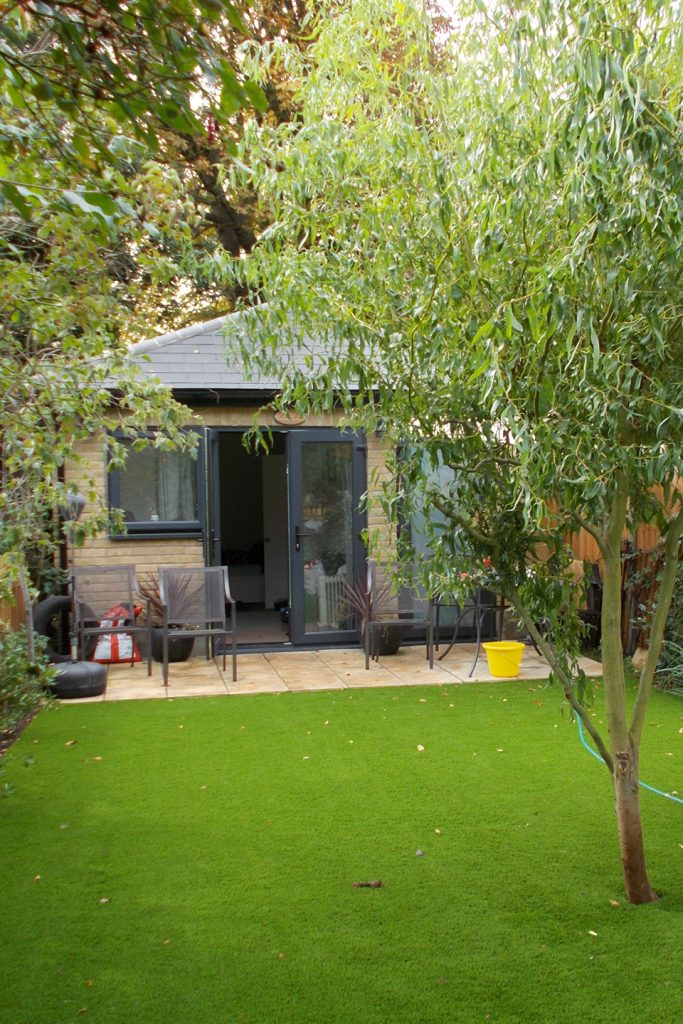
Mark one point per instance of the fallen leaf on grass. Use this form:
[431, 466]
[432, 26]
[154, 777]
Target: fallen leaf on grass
[614, 903]
[36, 878]
[376, 884]
[104, 899]
[97, 758]
[71, 743]
[281, 956]
[420, 747]
[594, 934]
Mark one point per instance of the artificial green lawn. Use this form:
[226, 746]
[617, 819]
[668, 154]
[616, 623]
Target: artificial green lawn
[194, 861]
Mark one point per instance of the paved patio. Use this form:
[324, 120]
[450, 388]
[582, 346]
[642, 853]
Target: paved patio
[294, 671]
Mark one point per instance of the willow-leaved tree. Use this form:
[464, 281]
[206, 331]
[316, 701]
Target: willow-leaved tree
[85, 88]
[486, 232]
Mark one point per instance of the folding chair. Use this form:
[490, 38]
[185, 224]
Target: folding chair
[194, 602]
[104, 600]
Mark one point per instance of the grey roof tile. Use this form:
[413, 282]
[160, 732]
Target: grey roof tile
[195, 358]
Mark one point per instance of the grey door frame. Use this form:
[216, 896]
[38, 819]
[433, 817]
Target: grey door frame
[296, 438]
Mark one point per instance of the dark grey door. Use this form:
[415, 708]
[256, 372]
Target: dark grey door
[212, 532]
[327, 478]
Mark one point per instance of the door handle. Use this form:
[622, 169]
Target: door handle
[298, 534]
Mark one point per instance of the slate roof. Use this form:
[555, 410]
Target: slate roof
[194, 361]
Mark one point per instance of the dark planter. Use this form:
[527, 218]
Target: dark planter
[179, 647]
[387, 639]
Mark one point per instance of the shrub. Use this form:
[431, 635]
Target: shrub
[670, 668]
[22, 680]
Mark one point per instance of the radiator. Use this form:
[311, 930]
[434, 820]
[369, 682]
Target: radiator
[332, 606]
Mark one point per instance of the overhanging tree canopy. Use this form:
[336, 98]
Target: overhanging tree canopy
[84, 88]
[490, 242]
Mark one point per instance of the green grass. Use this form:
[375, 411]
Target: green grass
[194, 861]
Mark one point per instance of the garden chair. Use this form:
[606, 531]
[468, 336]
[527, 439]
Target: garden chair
[195, 604]
[377, 620]
[105, 605]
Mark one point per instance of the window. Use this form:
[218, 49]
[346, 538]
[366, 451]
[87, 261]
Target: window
[158, 491]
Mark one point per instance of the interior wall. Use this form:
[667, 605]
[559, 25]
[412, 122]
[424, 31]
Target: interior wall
[241, 494]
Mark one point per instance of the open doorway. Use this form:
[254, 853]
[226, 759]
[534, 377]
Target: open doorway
[250, 534]
[288, 525]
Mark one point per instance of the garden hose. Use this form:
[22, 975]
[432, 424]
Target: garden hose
[643, 785]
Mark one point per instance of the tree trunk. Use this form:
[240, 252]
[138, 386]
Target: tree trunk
[627, 804]
[624, 750]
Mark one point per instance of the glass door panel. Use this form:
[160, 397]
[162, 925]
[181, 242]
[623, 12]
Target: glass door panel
[326, 481]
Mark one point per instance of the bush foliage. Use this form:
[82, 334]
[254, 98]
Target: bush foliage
[23, 680]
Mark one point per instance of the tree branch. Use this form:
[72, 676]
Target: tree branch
[565, 680]
[666, 588]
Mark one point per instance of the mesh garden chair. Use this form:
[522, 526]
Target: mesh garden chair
[377, 620]
[105, 603]
[195, 604]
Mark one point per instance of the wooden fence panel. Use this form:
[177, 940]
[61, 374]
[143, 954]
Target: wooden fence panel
[13, 614]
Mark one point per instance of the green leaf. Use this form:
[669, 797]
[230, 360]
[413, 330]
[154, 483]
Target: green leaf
[91, 203]
[256, 95]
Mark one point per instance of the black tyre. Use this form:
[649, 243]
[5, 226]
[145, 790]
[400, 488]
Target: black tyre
[79, 679]
[44, 614]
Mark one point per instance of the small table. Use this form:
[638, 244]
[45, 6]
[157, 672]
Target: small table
[482, 603]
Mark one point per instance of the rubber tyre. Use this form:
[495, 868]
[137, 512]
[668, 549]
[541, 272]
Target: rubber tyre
[43, 614]
[79, 679]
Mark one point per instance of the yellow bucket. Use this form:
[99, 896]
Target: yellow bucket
[504, 657]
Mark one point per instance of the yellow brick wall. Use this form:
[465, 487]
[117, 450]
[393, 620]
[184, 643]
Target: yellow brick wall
[382, 536]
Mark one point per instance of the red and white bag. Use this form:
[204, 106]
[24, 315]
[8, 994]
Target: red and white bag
[112, 648]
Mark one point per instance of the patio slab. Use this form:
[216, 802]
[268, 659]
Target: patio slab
[301, 671]
[254, 675]
[304, 671]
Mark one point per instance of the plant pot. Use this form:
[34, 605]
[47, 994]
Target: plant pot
[387, 639]
[179, 647]
[504, 658]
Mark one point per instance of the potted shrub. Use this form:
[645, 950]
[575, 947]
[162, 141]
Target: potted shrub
[179, 647]
[374, 608]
